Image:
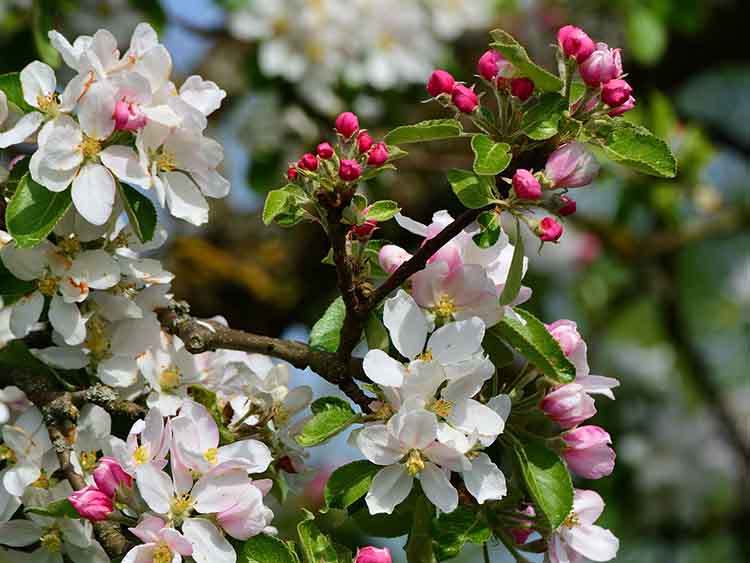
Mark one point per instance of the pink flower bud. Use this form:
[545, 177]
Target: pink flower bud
[291, 173]
[465, 99]
[347, 124]
[325, 151]
[521, 534]
[349, 170]
[570, 340]
[616, 92]
[127, 117]
[522, 88]
[568, 405]
[364, 142]
[549, 230]
[91, 503]
[489, 64]
[440, 82]
[575, 43]
[308, 162]
[366, 229]
[372, 554]
[622, 108]
[571, 166]
[602, 65]
[378, 155]
[587, 452]
[109, 475]
[525, 185]
[568, 206]
[391, 257]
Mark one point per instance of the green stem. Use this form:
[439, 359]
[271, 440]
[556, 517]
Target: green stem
[419, 546]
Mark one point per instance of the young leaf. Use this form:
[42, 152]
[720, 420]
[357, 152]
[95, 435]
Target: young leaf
[533, 341]
[267, 549]
[541, 121]
[636, 147]
[490, 158]
[58, 509]
[451, 531]
[383, 210]
[515, 53]
[277, 203]
[431, 130]
[349, 483]
[499, 353]
[490, 229]
[34, 211]
[472, 190]
[371, 173]
[141, 212]
[515, 273]
[10, 83]
[11, 288]
[547, 481]
[326, 333]
[316, 546]
[376, 333]
[331, 415]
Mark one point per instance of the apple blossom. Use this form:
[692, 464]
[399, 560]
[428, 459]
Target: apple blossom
[364, 142]
[492, 64]
[308, 162]
[350, 170]
[571, 165]
[371, 554]
[522, 88]
[601, 66]
[109, 476]
[626, 106]
[569, 405]
[325, 151]
[525, 185]
[378, 155]
[464, 98]
[160, 543]
[440, 82]
[616, 92]
[91, 503]
[575, 43]
[549, 230]
[347, 124]
[587, 452]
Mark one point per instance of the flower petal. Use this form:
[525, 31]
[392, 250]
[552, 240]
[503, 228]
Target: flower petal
[37, 79]
[383, 370]
[377, 445]
[66, 319]
[438, 488]
[184, 199]
[414, 428]
[155, 487]
[457, 341]
[209, 545]
[22, 130]
[25, 314]
[485, 481]
[390, 487]
[406, 324]
[125, 164]
[94, 193]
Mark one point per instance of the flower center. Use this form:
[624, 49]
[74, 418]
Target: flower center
[90, 147]
[52, 540]
[425, 356]
[572, 520]
[8, 456]
[88, 461]
[415, 462]
[141, 455]
[70, 246]
[48, 285]
[169, 379]
[165, 161]
[443, 408]
[211, 456]
[42, 482]
[445, 308]
[162, 554]
[49, 104]
[180, 506]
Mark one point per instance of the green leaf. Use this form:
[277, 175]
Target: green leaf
[11, 288]
[395, 153]
[547, 480]
[515, 273]
[331, 415]
[58, 509]
[431, 130]
[316, 546]
[383, 210]
[419, 545]
[451, 531]
[499, 353]
[283, 206]
[41, 22]
[267, 549]
[490, 158]
[490, 229]
[326, 333]
[472, 190]
[371, 173]
[34, 211]
[141, 212]
[541, 121]
[10, 83]
[277, 203]
[349, 483]
[534, 342]
[515, 53]
[636, 147]
[376, 333]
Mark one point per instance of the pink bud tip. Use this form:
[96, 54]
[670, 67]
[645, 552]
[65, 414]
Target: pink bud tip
[347, 124]
[490, 64]
[109, 475]
[571, 165]
[349, 170]
[525, 185]
[391, 257]
[291, 173]
[364, 142]
[308, 162]
[325, 151]
[587, 452]
[568, 206]
[522, 88]
[575, 43]
[440, 82]
[549, 230]
[568, 405]
[465, 99]
[616, 92]
[603, 65]
[91, 503]
[378, 156]
[372, 554]
[127, 117]
[622, 108]
[364, 230]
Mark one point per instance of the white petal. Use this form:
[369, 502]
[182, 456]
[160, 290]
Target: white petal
[96, 110]
[588, 505]
[414, 428]
[125, 164]
[593, 542]
[485, 481]
[438, 488]
[63, 357]
[55, 180]
[219, 491]
[94, 193]
[118, 371]
[184, 199]
[20, 476]
[423, 380]
[162, 115]
[25, 263]
[598, 385]
[66, 319]
[22, 130]
[377, 445]
[447, 457]
[383, 370]
[155, 487]
[457, 341]
[203, 95]
[19, 533]
[59, 143]
[411, 225]
[211, 183]
[470, 416]
[406, 324]
[254, 456]
[37, 79]
[390, 486]
[26, 313]
[209, 545]
[98, 268]
[501, 404]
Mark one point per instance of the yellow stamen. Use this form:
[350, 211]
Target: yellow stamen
[181, 506]
[415, 462]
[384, 412]
[211, 456]
[48, 285]
[88, 461]
[425, 356]
[165, 161]
[42, 482]
[52, 540]
[49, 104]
[141, 455]
[572, 520]
[8, 456]
[443, 408]
[445, 308]
[97, 340]
[162, 554]
[90, 147]
[70, 246]
[169, 378]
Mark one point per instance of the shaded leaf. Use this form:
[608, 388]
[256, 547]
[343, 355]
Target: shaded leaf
[431, 130]
[141, 212]
[515, 53]
[34, 211]
[472, 190]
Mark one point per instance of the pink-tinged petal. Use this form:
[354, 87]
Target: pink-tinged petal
[383, 370]
[438, 488]
[598, 385]
[148, 529]
[588, 505]
[411, 225]
[177, 542]
[155, 487]
[246, 518]
[140, 554]
[219, 490]
[209, 545]
[125, 164]
[253, 456]
[593, 542]
[390, 487]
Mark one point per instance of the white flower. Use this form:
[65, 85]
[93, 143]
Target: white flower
[408, 445]
[28, 440]
[578, 537]
[160, 543]
[147, 443]
[12, 400]
[93, 430]
[169, 370]
[20, 127]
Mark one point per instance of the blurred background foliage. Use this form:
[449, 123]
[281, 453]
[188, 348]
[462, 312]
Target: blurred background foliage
[657, 273]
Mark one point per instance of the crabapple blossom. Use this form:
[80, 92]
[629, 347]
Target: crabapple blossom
[492, 64]
[147, 443]
[440, 82]
[602, 65]
[91, 503]
[549, 230]
[325, 151]
[378, 155]
[575, 43]
[347, 124]
[464, 98]
[364, 142]
[350, 170]
[522, 88]
[109, 476]
[371, 554]
[626, 106]
[571, 165]
[616, 92]
[391, 257]
[569, 405]
[160, 543]
[525, 185]
[587, 452]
